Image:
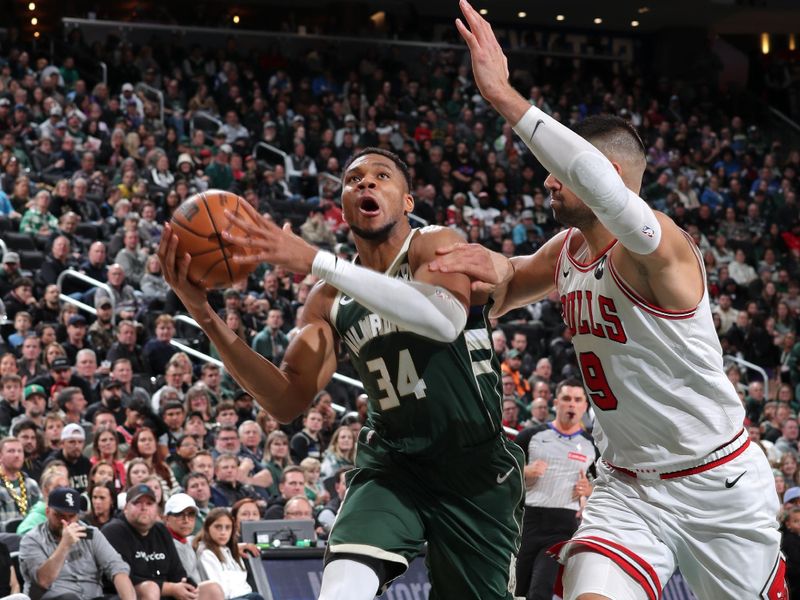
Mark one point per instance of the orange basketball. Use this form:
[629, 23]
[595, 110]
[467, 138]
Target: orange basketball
[199, 223]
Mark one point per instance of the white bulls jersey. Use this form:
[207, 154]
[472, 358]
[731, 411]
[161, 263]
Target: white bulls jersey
[655, 378]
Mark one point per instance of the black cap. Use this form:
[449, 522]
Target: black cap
[241, 394]
[110, 383]
[138, 491]
[60, 364]
[77, 320]
[65, 500]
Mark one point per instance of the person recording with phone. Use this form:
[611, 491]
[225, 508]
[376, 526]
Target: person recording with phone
[66, 559]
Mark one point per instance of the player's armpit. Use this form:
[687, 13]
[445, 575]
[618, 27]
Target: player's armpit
[671, 277]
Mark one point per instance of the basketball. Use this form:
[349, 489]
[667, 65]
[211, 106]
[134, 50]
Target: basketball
[199, 223]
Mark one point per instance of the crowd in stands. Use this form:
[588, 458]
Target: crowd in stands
[106, 424]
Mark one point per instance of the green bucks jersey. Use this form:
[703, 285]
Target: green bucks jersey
[426, 398]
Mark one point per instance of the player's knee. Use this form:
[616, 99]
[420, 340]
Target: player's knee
[592, 576]
[348, 579]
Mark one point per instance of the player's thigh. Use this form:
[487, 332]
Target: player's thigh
[378, 519]
[591, 575]
[621, 527]
[726, 534]
[474, 526]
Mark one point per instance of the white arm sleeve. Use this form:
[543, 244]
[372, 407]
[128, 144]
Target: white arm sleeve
[583, 169]
[424, 309]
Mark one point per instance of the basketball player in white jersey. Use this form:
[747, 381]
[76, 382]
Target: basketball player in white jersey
[679, 484]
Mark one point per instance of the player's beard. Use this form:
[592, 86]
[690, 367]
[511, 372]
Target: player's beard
[381, 234]
[578, 215]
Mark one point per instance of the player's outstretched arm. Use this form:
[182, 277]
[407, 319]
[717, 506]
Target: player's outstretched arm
[571, 159]
[512, 283]
[417, 306]
[309, 361]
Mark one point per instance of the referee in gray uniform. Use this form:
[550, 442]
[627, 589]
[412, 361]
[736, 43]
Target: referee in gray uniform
[559, 454]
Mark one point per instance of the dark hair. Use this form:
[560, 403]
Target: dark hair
[568, 382]
[66, 395]
[204, 537]
[600, 126]
[191, 476]
[401, 166]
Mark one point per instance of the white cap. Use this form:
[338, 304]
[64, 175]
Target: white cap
[127, 87]
[178, 503]
[73, 431]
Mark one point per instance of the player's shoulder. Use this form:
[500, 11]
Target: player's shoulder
[319, 302]
[428, 239]
[527, 434]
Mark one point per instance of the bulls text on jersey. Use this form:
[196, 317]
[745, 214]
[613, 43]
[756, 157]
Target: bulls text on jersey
[588, 314]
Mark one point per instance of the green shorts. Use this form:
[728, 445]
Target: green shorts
[468, 510]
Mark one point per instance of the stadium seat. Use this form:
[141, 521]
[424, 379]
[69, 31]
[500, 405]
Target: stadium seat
[19, 241]
[90, 231]
[11, 526]
[31, 260]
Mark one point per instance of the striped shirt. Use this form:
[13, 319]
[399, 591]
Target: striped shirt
[566, 457]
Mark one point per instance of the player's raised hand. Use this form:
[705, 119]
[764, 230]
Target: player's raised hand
[486, 269]
[175, 268]
[272, 244]
[489, 63]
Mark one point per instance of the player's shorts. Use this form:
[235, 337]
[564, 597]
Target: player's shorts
[468, 509]
[717, 523]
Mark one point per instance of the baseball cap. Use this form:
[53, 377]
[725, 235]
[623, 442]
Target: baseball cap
[350, 118]
[298, 119]
[178, 503]
[56, 111]
[269, 124]
[10, 257]
[184, 158]
[77, 320]
[109, 383]
[65, 500]
[226, 148]
[513, 353]
[127, 87]
[5, 102]
[138, 491]
[793, 493]
[205, 152]
[527, 214]
[60, 364]
[241, 394]
[73, 431]
[33, 390]
[101, 301]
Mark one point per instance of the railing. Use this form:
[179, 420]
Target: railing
[273, 149]
[329, 185]
[749, 365]
[94, 283]
[202, 114]
[3, 247]
[190, 321]
[158, 93]
[104, 69]
[417, 219]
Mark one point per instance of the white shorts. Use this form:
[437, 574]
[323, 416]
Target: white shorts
[719, 526]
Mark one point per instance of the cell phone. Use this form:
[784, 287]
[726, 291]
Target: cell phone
[89, 533]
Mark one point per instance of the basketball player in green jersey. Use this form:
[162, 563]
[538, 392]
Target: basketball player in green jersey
[433, 464]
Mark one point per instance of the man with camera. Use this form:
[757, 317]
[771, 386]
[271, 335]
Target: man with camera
[63, 558]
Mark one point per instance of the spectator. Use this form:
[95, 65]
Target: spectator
[27, 432]
[197, 486]
[103, 501]
[9, 272]
[55, 476]
[48, 562]
[271, 342]
[306, 443]
[144, 445]
[292, 483]
[219, 558]
[105, 448]
[327, 516]
[340, 453]
[790, 545]
[158, 350]
[180, 517]
[227, 477]
[146, 545]
[125, 345]
[18, 493]
[73, 439]
[11, 404]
